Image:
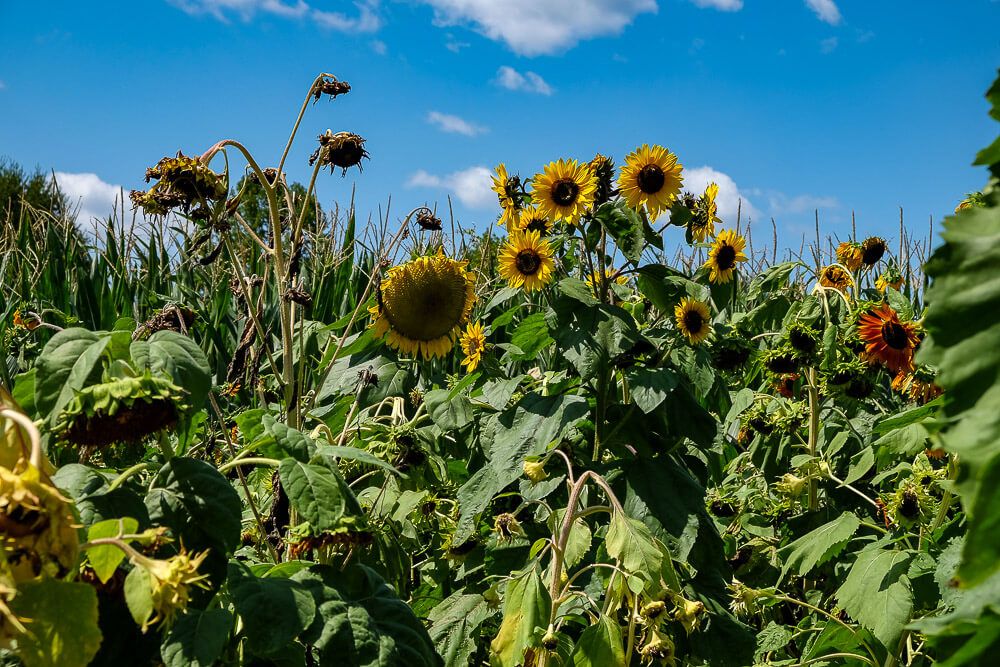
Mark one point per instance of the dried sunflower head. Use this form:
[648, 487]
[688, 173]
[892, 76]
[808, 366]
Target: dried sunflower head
[341, 150]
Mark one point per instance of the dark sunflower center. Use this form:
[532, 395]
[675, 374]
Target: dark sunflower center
[564, 191]
[528, 262]
[651, 179]
[20, 521]
[872, 252]
[537, 225]
[726, 257]
[895, 336]
[427, 302]
[693, 321]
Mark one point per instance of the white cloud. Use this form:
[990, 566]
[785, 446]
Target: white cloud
[455, 45]
[379, 47]
[366, 20]
[729, 198]
[449, 123]
[535, 27]
[90, 196]
[826, 10]
[471, 186]
[529, 82]
[721, 5]
[779, 203]
[828, 45]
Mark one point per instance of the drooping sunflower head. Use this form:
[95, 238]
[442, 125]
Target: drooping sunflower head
[704, 214]
[803, 338]
[726, 253]
[918, 384]
[835, 276]
[564, 190]
[473, 342]
[651, 178]
[171, 582]
[781, 360]
[891, 277]
[423, 305]
[872, 249]
[693, 319]
[531, 220]
[852, 378]
[730, 353]
[510, 192]
[526, 261]
[849, 254]
[603, 169]
[888, 340]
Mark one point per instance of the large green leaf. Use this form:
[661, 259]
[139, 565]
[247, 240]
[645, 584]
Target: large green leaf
[318, 493]
[178, 357]
[526, 606]
[361, 622]
[61, 623]
[589, 336]
[454, 624]
[197, 638]
[105, 558]
[68, 362]
[275, 610]
[632, 543]
[820, 545]
[600, 645]
[877, 593]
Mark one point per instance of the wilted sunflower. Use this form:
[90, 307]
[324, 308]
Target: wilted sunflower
[423, 304]
[693, 319]
[533, 221]
[170, 584]
[526, 260]
[888, 340]
[652, 178]
[730, 353]
[835, 276]
[891, 277]
[564, 190]
[705, 214]
[872, 249]
[508, 189]
[849, 254]
[781, 360]
[727, 250]
[917, 384]
[473, 342]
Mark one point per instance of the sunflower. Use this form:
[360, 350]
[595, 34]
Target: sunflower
[564, 190]
[849, 254]
[693, 319]
[705, 214]
[872, 249]
[594, 280]
[835, 276]
[603, 169]
[888, 340]
[473, 342]
[918, 384]
[891, 277]
[508, 189]
[533, 221]
[727, 250]
[526, 259]
[652, 178]
[423, 304]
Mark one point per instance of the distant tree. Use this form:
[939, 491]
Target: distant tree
[36, 189]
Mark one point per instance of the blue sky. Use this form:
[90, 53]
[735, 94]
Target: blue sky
[791, 105]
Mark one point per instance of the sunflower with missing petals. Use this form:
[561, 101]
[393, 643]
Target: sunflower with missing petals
[423, 304]
[887, 339]
[705, 214]
[564, 190]
[726, 252]
[891, 277]
[533, 221]
[508, 189]
[651, 178]
[693, 319]
[849, 254]
[835, 276]
[473, 342]
[526, 261]
[872, 249]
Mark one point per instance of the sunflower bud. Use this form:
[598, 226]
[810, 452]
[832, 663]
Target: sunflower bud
[535, 471]
[170, 582]
[659, 648]
[36, 523]
[653, 610]
[743, 600]
[550, 642]
[342, 150]
[688, 613]
[603, 169]
[791, 485]
[506, 526]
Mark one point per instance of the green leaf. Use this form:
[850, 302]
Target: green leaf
[625, 226]
[197, 638]
[651, 386]
[179, 358]
[600, 645]
[391, 379]
[319, 494]
[68, 362]
[139, 594]
[62, 628]
[448, 412]
[773, 637]
[286, 441]
[360, 621]
[818, 546]
[454, 622]
[105, 558]
[526, 607]
[354, 454]
[579, 540]
[877, 593]
[632, 543]
[589, 336]
[274, 610]
[531, 336]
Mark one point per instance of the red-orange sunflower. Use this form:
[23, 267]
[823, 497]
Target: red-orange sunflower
[887, 339]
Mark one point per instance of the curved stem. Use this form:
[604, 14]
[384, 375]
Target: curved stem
[298, 120]
[22, 420]
[249, 461]
[118, 481]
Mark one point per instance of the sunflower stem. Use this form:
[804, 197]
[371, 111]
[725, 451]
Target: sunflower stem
[813, 392]
[164, 442]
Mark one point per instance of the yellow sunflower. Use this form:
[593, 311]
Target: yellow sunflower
[423, 304]
[507, 188]
[533, 221]
[594, 280]
[526, 260]
[835, 276]
[473, 342]
[727, 250]
[891, 277]
[849, 254]
[564, 190]
[693, 319]
[652, 178]
[705, 214]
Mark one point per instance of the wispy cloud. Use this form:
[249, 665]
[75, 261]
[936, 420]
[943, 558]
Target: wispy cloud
[779, 202]
[535, 27]
[379, 47]
[828, 45]
[471, 186]
[730, 199]
[529, 82]
[454, 124]
[826, 10]
[366, 20]
[721, 5]
[454, 45]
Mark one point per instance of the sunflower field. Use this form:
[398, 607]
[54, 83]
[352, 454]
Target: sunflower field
[259, 433]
